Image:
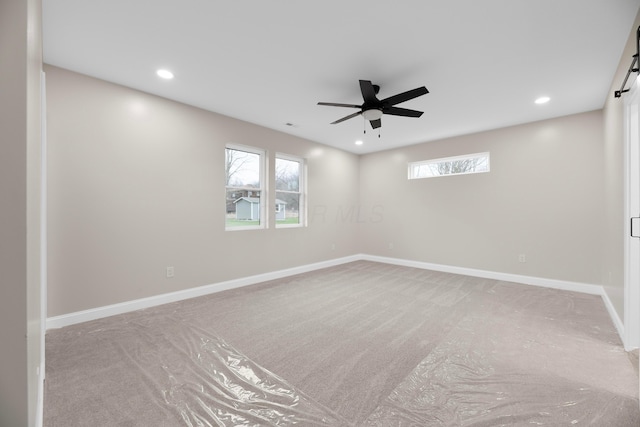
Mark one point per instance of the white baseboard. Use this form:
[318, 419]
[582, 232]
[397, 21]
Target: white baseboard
[507, 277]
[111, 310]
[617, 322]
[138, 304]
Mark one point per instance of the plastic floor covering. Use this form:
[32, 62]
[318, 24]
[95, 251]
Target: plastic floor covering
[362, 344]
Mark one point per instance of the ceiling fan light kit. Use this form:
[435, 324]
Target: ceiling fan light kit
[372, 114]
[373, 108]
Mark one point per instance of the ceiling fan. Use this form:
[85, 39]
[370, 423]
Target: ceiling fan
[373, 108]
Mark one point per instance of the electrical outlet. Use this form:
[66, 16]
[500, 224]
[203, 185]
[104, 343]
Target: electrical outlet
[522, 258]
[333, 246]
[391, 246]
[170, 272]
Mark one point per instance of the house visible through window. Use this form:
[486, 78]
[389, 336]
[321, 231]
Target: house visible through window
[289, 203]
[244, 168]
[471, 163]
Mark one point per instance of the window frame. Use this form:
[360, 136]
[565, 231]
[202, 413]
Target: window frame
[412, 166]
[302, 190]
[262, 174]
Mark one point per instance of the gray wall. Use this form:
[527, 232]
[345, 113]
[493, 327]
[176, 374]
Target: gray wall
[136, 184]
[613, 152]
[21, 59]
[543, 198]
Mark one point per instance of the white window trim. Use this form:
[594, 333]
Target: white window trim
[264, 196]
[412, 165]
[302, 203]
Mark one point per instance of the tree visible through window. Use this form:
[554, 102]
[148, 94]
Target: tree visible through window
[289, 201]
[244, 188]
[472, 163]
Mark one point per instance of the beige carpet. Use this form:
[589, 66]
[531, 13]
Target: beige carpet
[362, 344]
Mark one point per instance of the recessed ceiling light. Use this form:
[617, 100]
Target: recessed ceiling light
[358, 142]
[542, 100]
[165, 74]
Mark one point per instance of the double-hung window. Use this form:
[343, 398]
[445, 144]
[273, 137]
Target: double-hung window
[245, 188]
[289, 180]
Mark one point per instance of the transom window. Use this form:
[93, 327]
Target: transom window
[459, 165]
[244, 168]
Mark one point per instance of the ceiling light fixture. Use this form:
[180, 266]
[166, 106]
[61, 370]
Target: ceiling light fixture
[542, 100]
[372, 114]
[359, 142]
[165, 74]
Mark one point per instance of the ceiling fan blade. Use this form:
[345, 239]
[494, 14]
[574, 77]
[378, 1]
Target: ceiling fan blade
[397, 111]
[375, 124]
[405, 96]
[350, 116]
[368, 92]
[335, 104]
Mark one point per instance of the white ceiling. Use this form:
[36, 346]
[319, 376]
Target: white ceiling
[270, 61]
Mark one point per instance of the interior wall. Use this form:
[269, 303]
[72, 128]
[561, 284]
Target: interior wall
[20, 353]
[613, 154]
[542, 198]
[136, 184]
